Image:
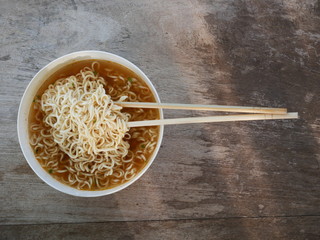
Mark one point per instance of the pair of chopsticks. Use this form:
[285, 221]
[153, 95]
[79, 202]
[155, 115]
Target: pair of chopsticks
[259, 113]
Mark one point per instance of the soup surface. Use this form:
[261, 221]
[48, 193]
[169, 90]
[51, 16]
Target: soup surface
[120, 82]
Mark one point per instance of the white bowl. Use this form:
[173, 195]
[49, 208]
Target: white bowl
[26, 101]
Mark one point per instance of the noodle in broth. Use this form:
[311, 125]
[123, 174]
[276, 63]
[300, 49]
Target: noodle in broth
[80, 136]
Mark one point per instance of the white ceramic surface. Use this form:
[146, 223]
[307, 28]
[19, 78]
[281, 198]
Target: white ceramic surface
[28, 97]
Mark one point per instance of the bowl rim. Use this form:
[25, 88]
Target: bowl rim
[24, 109]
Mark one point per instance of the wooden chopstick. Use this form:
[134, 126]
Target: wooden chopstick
[220, 108]
[227, 118]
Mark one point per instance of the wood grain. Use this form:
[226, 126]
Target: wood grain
[248, 53]
[230, 228]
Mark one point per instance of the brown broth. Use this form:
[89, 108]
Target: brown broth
[73, 69]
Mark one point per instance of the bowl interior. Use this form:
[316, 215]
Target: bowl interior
[23, 115]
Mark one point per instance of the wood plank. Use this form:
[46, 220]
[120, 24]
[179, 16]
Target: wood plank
[227, 52]
[232, 228]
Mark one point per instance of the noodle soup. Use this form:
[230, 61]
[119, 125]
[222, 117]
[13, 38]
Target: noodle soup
[79, 136]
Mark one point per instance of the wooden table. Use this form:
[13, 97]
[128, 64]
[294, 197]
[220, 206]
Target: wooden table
[248, 180]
